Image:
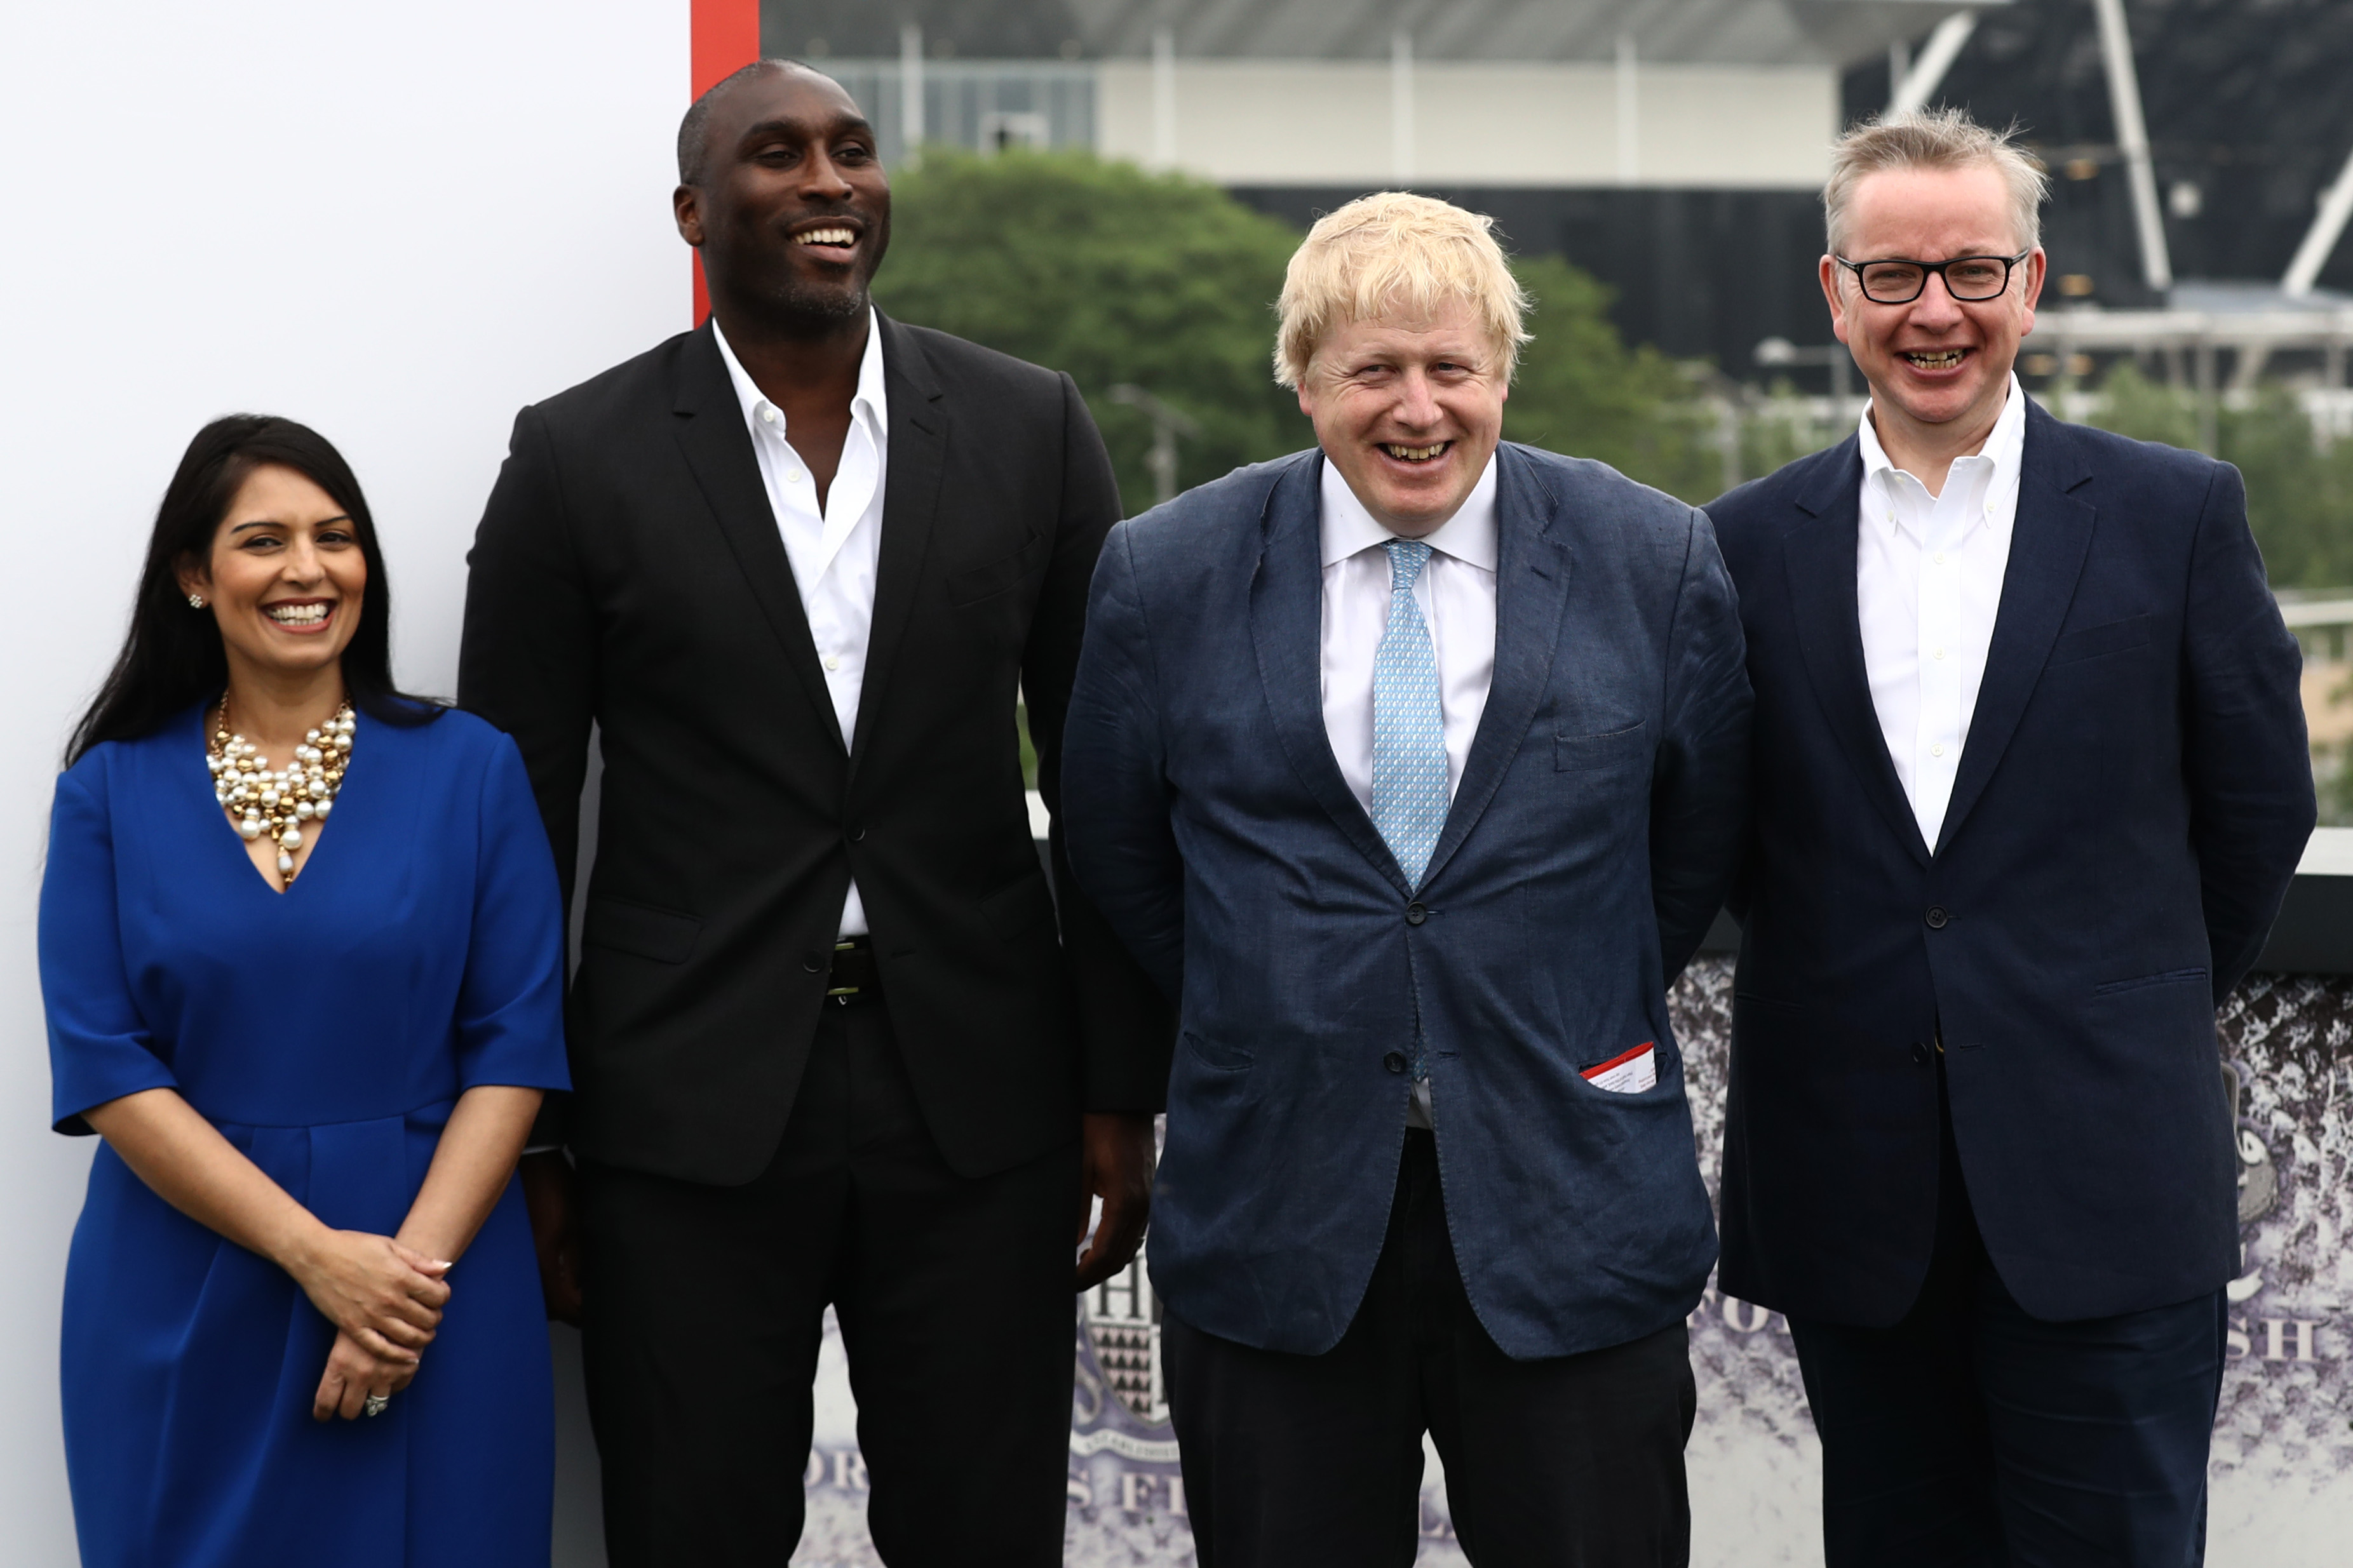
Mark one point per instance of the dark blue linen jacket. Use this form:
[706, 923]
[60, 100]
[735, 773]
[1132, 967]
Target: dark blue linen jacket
[2132, 799]
[1590, 841]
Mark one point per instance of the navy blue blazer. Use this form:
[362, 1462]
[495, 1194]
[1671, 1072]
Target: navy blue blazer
[1592, 834]
[2132, 800]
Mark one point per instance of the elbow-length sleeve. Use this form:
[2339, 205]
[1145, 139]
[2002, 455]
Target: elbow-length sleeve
[510, 1022]
[101, 1048]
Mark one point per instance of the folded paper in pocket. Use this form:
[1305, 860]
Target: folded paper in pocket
[1629, 1072]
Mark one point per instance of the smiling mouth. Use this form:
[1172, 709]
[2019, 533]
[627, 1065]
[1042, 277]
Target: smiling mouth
[1936, 359]
[305, 616]
[1429, 454]
[835, 238]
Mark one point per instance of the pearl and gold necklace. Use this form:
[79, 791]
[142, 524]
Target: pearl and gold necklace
[259, 800]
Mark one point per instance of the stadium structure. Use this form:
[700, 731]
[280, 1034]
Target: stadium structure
[2202, 150]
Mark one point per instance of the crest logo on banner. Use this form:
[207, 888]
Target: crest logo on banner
[1126, 1491]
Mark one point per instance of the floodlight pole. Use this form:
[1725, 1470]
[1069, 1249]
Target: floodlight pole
[2132, 134]
[911, 91]
[1167, 423]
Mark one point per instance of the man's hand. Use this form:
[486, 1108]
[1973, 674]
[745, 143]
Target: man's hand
[551, 1192]
[1115, 1158]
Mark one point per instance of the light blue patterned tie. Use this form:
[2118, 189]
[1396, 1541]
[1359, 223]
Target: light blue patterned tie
[1409, 726]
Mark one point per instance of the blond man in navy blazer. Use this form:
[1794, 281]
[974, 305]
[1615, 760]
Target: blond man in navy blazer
[1412, 766]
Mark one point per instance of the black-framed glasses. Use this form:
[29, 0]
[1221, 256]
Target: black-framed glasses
[1969, 279]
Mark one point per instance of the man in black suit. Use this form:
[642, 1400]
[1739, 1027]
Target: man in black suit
[2031, 781]
[798, 567]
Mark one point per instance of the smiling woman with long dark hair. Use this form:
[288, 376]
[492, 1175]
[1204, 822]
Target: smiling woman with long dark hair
[302, 1319]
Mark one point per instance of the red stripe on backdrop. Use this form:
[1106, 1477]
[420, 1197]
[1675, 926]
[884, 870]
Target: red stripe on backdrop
[726, 38]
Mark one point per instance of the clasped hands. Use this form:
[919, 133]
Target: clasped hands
[386, 1300]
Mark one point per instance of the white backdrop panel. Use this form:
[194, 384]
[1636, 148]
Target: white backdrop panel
[397, 224]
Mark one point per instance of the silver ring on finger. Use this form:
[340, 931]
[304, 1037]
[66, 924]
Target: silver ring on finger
[375, 1404]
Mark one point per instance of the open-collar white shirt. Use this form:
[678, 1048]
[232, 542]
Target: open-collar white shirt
[833, 547]
[1928, 576]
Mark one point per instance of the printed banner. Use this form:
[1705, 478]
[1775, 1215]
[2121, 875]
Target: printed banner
[2282, 1467]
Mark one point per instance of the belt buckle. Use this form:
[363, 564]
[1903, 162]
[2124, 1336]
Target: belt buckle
[840, 995]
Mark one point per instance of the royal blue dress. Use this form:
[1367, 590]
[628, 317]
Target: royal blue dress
[327, 1031]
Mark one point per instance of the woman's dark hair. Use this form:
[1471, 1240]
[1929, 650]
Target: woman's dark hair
[172, 659]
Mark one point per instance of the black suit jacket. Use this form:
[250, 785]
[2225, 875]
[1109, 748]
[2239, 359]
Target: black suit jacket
[628, 573]
[2131, 803]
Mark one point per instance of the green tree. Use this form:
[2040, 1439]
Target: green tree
[1114, 274]
[1168, 283]
[2299, 492]
[2299, 502]
[1783, 426]
[2147, 410]
[1580, 390]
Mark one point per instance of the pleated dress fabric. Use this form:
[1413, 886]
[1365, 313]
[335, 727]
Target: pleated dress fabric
[327, 1031]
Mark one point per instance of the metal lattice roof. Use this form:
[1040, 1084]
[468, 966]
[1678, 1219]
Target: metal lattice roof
[1717, 32]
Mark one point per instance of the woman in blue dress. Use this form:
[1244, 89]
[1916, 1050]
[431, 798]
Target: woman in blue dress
[302, 959]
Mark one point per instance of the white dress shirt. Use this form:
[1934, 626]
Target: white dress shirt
[1928, 574]
[1456, 593]
[833, 548]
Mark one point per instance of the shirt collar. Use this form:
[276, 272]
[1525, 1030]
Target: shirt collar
[1469, 535]
[2004, 447]
[868, 402]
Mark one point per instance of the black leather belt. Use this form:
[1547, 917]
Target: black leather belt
[854, 978]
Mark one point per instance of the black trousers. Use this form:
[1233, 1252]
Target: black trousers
[706, 1313]
[1569, 1462]
[1973, 1435]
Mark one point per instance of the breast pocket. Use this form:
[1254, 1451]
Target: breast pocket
[974, 584]
[2100, 641]
[1610, 750]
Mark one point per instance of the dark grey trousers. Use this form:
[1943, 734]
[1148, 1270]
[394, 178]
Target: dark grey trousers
[1568, 1462]
[1972, 1436]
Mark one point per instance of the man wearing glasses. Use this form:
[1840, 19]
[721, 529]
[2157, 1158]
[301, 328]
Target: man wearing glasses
[2030, 780]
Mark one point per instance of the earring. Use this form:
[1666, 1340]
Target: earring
[196, 601]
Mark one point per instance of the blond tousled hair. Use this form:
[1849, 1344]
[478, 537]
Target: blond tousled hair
[1933, 139]
[1395, 253]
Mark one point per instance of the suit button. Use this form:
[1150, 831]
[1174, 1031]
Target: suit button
[1415, 914]
[1937, 917]
[1920, 1052]
[1395, 1061]
[814, 962]
[857, 833]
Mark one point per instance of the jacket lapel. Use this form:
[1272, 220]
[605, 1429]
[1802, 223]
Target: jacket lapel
[1531, 569]
[1286, 613]
[912, 474]
[1818, 558]
[718, 450]
[2048, 546]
